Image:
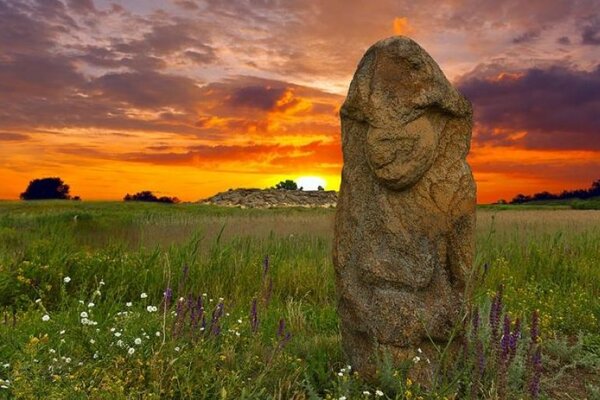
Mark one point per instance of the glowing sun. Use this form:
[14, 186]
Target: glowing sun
[310, 182]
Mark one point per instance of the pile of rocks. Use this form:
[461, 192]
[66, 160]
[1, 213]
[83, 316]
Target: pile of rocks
[269, 198]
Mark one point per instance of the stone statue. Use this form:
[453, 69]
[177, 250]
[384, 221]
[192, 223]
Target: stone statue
[404, 229]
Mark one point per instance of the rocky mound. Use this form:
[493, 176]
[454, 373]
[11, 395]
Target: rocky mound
[268, 198]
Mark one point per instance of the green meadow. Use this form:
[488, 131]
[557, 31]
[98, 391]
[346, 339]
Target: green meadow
[146, 301]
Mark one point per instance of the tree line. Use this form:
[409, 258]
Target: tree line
[583, 194]
[54, 188]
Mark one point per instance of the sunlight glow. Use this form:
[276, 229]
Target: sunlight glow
[310, 182]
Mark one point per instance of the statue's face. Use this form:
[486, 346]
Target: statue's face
[400, 156]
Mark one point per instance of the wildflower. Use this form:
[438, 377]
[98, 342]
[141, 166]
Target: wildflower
[113, 329]
[91, 305]
[7, 365]
[239, 321]
[38, 301]
[62, 332]
[254, 316]
[81, 302]
[342, 398]
[143, 295]
[131, 351]
[120, 343]
[535, 327]
[52, 351]
[96, 356]
[151, 308]
[157, 334]
[536, 372]
[366, 393]
[67, 279]
[46, 318]
[117, 334]
[68, 360]
[97, 293]
[177, 349]
[128, 304]
[168, 295]
[340, 374]
[137, 341]
[416, 359]
[102, 282]
[83, 314]
[378, 393]
[85, 321]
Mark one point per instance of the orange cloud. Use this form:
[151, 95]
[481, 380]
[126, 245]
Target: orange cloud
[400, 26]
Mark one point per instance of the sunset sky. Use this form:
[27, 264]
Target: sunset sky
[187, 98]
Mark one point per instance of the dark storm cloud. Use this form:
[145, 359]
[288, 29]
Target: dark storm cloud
[263, 97]
[31, 27]
[81, 6]
[557, 107]
[165, 39]
[526, 37]
[43, 75]
[564, 40]
[148, 89]
[187, 4]
[590, 34]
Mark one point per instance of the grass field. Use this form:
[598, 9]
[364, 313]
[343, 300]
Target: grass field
[133, 300]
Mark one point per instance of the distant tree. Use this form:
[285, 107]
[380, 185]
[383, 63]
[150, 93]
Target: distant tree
[320, 188]
[288, 184]
[520, 199]
[593, 191]
[148, 196]
[46, 188]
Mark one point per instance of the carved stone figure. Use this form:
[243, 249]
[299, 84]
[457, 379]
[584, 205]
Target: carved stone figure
[404, 230]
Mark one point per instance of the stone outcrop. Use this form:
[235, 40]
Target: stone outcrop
[269, 198]
[404, 230]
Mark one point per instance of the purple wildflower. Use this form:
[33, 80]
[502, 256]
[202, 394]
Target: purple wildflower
[281, 328]
[479, 369]
[536, 373]
[514, 339]
[265, 266]
[505, 341]
[216, 316]
[167, 297]
[475, 324]
[495, 313]
[282, 334]
[179, 317]
[254, 316]
[535, 327]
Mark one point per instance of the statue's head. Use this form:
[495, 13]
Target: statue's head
[404, 102]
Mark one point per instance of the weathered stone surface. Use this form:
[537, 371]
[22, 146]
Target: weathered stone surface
[269, 198]
[404, 230]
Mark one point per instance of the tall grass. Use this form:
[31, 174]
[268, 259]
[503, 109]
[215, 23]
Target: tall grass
[546, 259]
